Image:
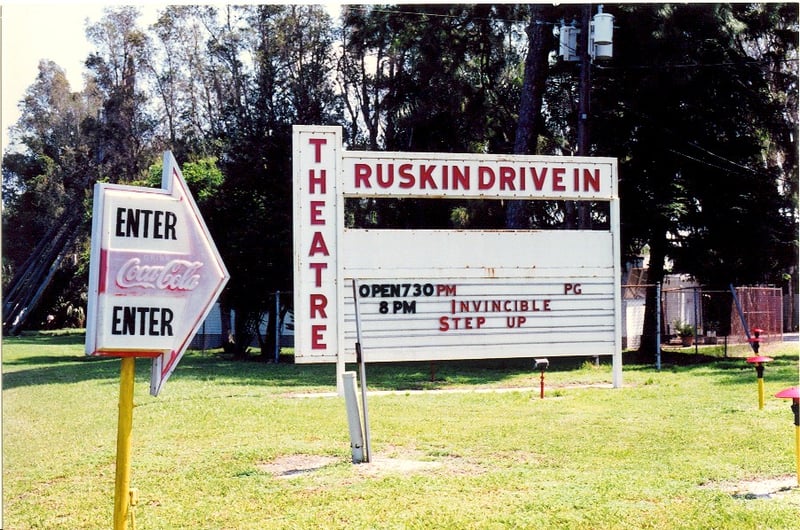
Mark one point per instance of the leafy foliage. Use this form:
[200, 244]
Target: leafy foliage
[699, 104]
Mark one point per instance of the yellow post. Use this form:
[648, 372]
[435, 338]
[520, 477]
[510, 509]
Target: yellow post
[797, 451]
[759, 362]
[793, 393]
[124, 427]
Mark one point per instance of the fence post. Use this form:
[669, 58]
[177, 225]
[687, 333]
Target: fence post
[658, 326]
[696, 320]
[277, 326]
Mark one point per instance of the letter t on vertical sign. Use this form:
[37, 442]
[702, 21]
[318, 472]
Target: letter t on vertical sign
[317, 152]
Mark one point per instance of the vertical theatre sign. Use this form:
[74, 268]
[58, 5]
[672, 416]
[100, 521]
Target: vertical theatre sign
[154, 272]
[450, 294]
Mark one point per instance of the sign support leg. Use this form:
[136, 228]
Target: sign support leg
[362, 368]
[124, 428]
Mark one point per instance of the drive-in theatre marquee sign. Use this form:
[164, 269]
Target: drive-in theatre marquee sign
[450, 294]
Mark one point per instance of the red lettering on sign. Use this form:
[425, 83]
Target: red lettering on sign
[363, 173]
[591, 180]
[318, 303]
[316, 212]
[317, 181]
[407, 178]
[538, 178]
[387, 180]
[426, 177]
[461, 177]
[317, 331]
[485, 178]
[558, 177]
[318, 245]
[318, 268]
[318, 143]
[448, 323]
[507, 176]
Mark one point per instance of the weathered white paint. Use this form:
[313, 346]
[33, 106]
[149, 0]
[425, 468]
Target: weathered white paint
[417, 280]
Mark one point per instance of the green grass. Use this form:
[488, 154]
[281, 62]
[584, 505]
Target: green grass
[656, 453]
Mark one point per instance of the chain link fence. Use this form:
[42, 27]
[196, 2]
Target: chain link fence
[690, 314]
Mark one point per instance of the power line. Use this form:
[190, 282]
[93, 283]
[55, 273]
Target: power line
[696, 65]
[752, 62]
[434, 15]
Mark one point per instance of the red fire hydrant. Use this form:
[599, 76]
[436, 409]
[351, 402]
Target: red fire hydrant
[793, 393]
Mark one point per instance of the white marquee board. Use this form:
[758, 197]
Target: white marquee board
[450, 294]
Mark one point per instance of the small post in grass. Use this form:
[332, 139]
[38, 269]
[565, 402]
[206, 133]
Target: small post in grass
[759, 362]
[122, 491]
[541, 364]
[793, 393]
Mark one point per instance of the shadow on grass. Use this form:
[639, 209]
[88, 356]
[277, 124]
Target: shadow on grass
[72, 367]
[726, 370]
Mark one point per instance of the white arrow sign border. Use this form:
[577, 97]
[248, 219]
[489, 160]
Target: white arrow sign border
[170, 176]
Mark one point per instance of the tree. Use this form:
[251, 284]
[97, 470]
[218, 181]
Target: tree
[277, 65]
[699, 105]
[124, 131]
[45, 181]
[687, 111]
[430, 78]
[530, 123]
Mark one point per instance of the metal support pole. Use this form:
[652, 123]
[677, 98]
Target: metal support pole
[541, 385]
[362, 373]
[353, 417]
[658, 327]
[363, 377]
[122, 495]
[277, 326]
[696, 320]
[741, 313]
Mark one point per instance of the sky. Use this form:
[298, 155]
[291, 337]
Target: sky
[53, 30]
[34, 31]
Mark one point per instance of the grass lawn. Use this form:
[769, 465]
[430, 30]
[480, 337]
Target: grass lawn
[248, 445]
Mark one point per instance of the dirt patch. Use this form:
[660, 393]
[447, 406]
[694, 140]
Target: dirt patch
[383, 465]
[408, 463]
[760, 488]
[293, 465]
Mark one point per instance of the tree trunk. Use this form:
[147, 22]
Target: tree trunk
[658, 252]
[530, 104]
[225, 325]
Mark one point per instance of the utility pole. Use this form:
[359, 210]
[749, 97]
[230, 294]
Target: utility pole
[596, 42]
[584, 81]
[584, 104]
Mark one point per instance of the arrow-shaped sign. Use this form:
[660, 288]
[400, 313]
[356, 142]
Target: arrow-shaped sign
[155, 272]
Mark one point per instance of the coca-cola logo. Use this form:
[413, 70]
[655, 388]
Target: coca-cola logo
[176, 275]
